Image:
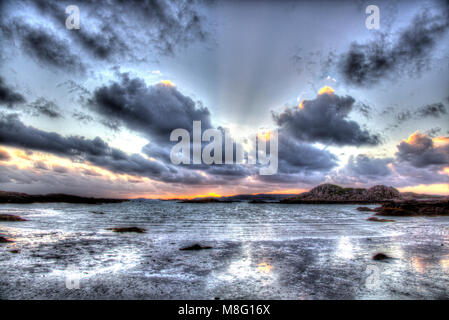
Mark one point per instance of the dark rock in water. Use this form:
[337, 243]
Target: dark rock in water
[381, 256]
[217, 298]
[97, 212]
[414, 208]
[196, 247]
[365, 209]
[330, 193]
[4, 240]
[379, 220]
[14, 251]
[10, 217]
[128, 229]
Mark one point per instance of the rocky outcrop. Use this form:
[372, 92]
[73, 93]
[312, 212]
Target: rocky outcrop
[414, 208]
[365, 209]
[10, 217]
[381, 256]
[128, 229]
[195, 247]
[4, 240]
[97, 212]
[379, 220]
[330, 193]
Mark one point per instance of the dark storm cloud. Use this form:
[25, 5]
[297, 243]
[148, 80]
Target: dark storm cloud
[366, 166]
[420, 151]
[325, 120]
[14, 133]
[113, 29]
[432, 110]
[368, 63]
[153, 111]
[42, 106]
[4, 155]
[300, 162]
[296, 156]
[8, 96]
[43, 44]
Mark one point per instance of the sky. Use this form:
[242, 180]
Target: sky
[89, 111]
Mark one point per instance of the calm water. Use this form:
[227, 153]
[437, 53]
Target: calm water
[263, 251]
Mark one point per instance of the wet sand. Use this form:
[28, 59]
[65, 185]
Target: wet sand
[258, 252]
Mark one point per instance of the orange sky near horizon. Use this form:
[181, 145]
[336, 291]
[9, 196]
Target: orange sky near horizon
[26, 161]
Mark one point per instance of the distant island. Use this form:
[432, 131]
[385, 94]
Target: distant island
[333, 194]
[322, 194]
[17, 197]
[325, 194]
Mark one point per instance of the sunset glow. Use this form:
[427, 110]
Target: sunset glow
[264, 267]
[326, 90]
[439, 189]
[167, 83]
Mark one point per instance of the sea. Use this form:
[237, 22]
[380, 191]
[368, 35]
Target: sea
[258, 251]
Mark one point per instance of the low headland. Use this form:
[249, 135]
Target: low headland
[17, 197]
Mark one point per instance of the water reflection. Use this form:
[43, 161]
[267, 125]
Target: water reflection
[345, 249]
[444, 263]
[248, 268]
[264, 267]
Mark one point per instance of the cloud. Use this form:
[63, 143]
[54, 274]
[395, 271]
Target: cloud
[420, 151]
[40, 165]
[364, 109]
[432, 110]
[325, 120]
[59, 169]
[300, 162]
[14, 133]
[42, 106]
[419, 160]
[82, 117]
[122, 30]
[403, 116]
[98, 153]
[8, 96]
[370, 167]
[4, 155]
[155, 111]
[44, 45]
[365, 64]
